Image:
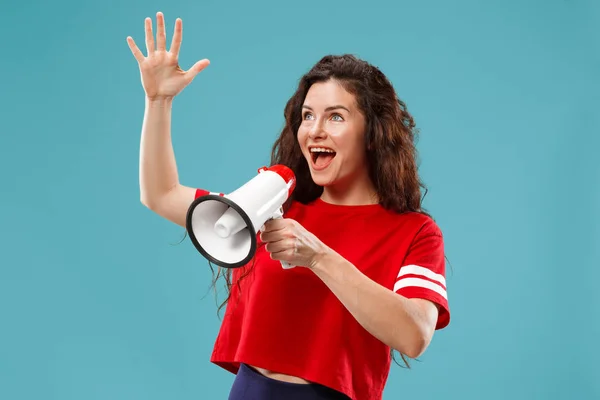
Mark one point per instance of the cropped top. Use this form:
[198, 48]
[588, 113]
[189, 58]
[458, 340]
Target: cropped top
[288, 321]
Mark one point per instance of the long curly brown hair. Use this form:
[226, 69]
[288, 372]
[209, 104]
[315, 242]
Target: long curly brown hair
[389, 140]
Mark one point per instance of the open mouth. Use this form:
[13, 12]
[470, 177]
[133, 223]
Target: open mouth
[321, 157]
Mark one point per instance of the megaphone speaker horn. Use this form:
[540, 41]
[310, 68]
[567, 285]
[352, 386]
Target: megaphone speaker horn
[223, 228]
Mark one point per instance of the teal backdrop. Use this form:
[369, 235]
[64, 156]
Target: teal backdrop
[99, 300]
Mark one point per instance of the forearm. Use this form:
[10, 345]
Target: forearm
[393, 319]
[158, 169]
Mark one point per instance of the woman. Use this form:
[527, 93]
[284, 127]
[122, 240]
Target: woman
[370, 275]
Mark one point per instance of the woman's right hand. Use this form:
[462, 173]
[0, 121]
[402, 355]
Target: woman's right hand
[162, 78]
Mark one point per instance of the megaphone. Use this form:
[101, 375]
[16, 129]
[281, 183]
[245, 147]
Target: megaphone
[223, 228]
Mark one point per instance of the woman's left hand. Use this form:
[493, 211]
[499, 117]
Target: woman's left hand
[287, 240]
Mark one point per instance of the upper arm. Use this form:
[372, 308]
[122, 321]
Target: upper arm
[429, 312]
[174, 204]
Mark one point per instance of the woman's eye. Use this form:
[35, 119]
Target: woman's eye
[338, 116]
[308, 116]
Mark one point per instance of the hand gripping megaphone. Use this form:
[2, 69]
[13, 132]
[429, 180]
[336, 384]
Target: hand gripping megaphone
[223, 228]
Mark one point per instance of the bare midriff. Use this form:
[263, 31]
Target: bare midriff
[280, 377]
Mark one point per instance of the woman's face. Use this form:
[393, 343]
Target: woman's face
[331, 135]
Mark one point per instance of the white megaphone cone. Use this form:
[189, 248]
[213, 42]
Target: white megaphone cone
[223, 228]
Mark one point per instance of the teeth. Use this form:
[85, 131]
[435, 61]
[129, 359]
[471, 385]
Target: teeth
[321, 150]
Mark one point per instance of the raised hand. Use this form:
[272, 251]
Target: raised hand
[160, 72]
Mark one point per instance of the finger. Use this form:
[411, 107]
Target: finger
[286, 255]
[273, 235]
[275, 225]
[196, 68]
[161, 35]
[281, 245]
[149, 36]
[137, 53]
[176, 41]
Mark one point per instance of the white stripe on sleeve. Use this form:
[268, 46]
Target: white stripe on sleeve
[438, 286]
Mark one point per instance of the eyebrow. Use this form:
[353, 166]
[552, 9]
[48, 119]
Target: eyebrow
[336, 107]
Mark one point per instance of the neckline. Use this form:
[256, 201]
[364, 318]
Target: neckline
[346, 207]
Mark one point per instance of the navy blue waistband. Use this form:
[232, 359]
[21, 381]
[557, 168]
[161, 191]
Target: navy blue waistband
[249, 384]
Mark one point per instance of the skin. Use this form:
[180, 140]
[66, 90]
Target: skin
[406, 325]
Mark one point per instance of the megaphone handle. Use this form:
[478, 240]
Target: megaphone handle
[279, 215]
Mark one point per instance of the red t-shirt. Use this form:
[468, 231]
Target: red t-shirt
[289, 322]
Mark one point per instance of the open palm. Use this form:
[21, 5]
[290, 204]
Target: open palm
[160, 72]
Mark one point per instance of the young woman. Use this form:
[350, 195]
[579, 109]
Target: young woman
[371, 272]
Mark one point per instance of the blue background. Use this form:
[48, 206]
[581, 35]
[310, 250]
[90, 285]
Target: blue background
[97, 300]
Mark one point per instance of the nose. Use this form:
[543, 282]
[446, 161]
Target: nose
[316, 131]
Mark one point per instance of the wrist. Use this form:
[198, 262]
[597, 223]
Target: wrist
[323, 259]
[159, 102]
[333, 269]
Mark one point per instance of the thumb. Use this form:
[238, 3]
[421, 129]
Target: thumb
[196, 68]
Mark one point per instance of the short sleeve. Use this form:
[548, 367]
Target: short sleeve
[201, 192]
[423, 272]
